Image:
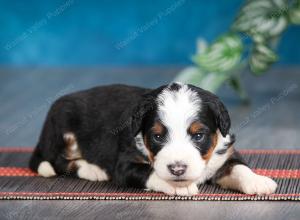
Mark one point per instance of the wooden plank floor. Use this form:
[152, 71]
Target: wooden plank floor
[271, 121]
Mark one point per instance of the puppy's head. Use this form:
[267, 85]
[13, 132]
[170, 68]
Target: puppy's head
[182, 126]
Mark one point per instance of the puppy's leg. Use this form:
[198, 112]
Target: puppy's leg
[236, 175]
[242, 178]
[155, 183]
[90, 171]
[45, 169]
[77, 164]
[189, 190]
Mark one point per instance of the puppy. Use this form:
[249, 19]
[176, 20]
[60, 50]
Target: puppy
[169, 139]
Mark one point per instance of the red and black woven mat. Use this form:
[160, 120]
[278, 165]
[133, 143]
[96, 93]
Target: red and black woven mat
[19, 182]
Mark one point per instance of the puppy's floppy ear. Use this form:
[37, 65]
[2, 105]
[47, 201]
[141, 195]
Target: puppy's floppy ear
[221, 115]
[146, 104]
[139, 111]
[217, 107]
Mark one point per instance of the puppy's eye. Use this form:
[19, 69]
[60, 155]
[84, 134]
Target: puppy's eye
[158, 138]
[198, 137]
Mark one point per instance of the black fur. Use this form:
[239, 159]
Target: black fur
[94, 117]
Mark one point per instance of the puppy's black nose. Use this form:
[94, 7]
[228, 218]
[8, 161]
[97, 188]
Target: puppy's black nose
[177, 169]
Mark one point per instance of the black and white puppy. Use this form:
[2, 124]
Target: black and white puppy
[168, 139]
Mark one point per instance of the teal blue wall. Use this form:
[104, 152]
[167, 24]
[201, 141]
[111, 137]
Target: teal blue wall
[153, 32]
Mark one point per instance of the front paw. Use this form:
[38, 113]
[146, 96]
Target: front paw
[260, 185]
[242, 178]
[190, 190]
[157, 184]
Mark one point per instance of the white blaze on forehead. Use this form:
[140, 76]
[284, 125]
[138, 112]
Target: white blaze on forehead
[177, 109]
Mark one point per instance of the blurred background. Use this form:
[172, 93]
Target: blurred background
[50, 48]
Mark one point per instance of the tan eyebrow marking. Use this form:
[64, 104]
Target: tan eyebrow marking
[214, 139]
[158, 128]
[195, 127]
[150, 154]
[72, 151]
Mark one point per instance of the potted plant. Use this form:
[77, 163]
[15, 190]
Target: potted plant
[250, 43]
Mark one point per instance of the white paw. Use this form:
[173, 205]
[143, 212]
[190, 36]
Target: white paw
[45, 169]
[181, 191]
[90, 171]
[242, 178]
[155, 183]
[260, 185]
[193, 189]
[190, 190]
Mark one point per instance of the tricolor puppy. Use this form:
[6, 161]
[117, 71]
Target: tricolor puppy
[168, 139]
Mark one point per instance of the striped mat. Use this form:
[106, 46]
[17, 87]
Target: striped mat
[19, 182]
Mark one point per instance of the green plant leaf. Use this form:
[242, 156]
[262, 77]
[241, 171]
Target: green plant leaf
[262, 58]
[257, 65]
[222, 55]
[294, 14]
[267, 53]
[262, 17]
